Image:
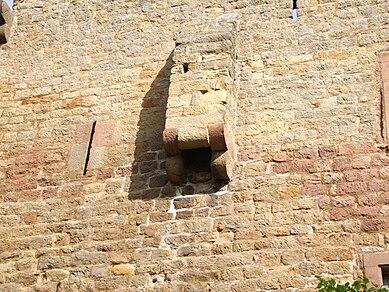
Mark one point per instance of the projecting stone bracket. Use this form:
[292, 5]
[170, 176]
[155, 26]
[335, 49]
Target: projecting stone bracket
[5, 22]
[215, 137]
[201, 107]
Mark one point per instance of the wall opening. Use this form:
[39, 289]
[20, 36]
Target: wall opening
[385, 275]
[385, 95]
[294, 10]
[186, 67]
[89, 148]
[198, 164]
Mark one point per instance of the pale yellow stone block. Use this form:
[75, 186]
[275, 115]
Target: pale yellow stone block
[57, 275]
[120, 270]
[257, 64]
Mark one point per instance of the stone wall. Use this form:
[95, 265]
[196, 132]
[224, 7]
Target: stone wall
[85, 200]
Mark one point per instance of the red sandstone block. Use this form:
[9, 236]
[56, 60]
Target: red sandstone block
[282, 167]
[338, 214]
[324, 202]
[28, 195]
[58, 167]
[280, 157]
[303, 166]
[49, 182]
[384, 198]
[343, 201]
[314, 190]
[106, 133]
[105, 173]
[352, 187]
[248, 153]
[10, 197]
[17, 173]
[29, 160]
[362, 175]
[352, 175]
[349, 149]
[24, 184]
[307, 153]
[366, 148]
[83, 133]
[379, 185]
[366, 211]
[125, 171]
[342, 163]
[70, 190]
[368, 199]
[327, 151]
[375, 225]
[346, 149]
[48, 193]
[367, 174]
[170, 140]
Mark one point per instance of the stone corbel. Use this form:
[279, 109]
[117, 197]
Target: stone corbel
[201, 107]
[216, 136]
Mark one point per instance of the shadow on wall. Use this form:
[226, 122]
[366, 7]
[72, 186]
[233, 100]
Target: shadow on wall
[148, 173]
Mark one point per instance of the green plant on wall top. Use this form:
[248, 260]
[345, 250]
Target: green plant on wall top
[356, 286]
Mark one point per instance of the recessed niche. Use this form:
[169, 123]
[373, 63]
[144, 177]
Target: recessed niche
[198, 164]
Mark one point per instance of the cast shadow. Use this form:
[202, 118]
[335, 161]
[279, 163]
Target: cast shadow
[148, 174]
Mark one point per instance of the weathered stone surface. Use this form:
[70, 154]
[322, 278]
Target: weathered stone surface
[301, 107]
[175, 169]
[216, 137]
[123, 270]
[170, 140]
[192, 136]
[221, 165]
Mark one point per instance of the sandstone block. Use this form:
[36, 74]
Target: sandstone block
[83, 133]
[158, 181]
[216, 137]
[352, 187]
[338, 214]
[57, 275]
[170, 140]
[292, 257]
[192, 136]
[96, 158]
[188, 202]
[175, 169]
[160, 216]
[123, 270]
[221, 165]
[77, 157]
[99, 271]
[282, 167]
[106, 133]
[255, 168]
[327, 151]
